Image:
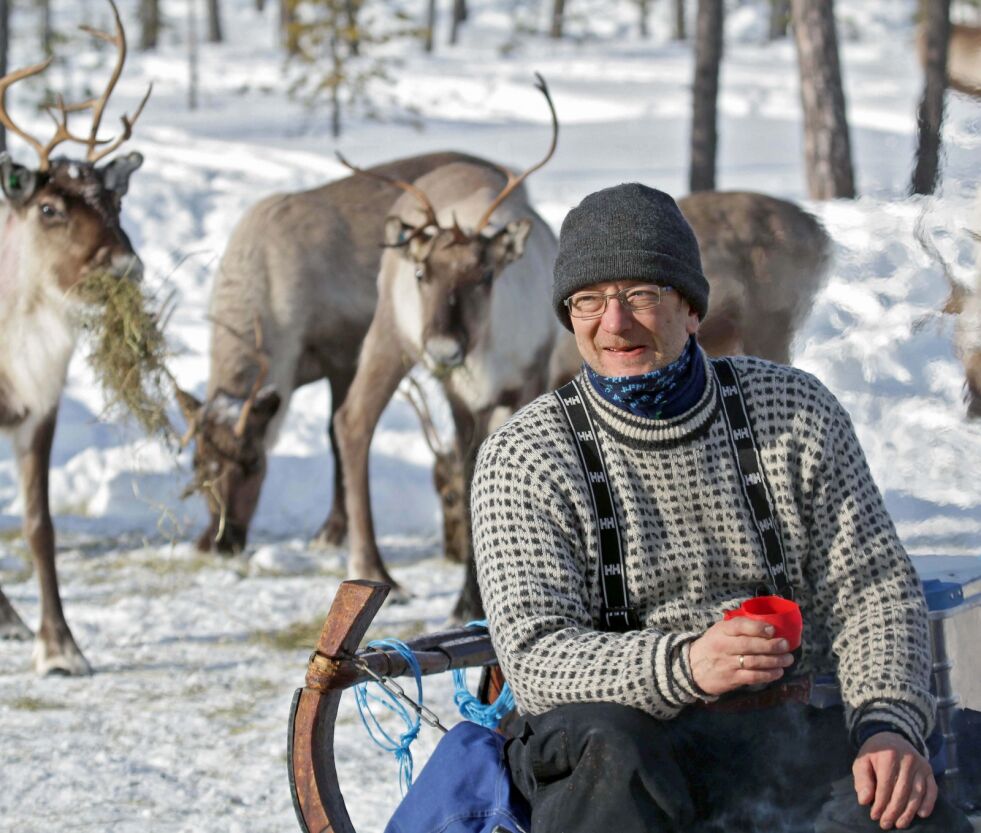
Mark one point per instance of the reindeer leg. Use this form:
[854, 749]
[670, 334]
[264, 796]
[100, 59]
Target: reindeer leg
[334, 529]
[471, 432]
[380, 369]
[11, 625]
[55, 650]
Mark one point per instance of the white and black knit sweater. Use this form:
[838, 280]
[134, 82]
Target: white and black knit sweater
[691, 551]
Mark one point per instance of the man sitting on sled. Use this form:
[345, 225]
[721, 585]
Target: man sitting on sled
[618, 521]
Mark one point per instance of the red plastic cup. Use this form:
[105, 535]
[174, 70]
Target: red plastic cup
[782, 613]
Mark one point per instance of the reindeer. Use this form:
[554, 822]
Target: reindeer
[463, 289]
[59, 224]
[294, 295]
[765, 260]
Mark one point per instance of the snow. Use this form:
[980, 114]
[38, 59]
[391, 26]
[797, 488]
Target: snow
[183, 727]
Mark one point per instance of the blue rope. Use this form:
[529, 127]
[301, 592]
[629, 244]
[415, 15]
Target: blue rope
[483, 714]
[399, 748]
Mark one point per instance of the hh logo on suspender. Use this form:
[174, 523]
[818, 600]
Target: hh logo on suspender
[741, 434]
[729, 390]
[585, 436]
[611, 569]
[597, 477]
[753, 479]
[571, 400]
[766, 524]
[606, 523]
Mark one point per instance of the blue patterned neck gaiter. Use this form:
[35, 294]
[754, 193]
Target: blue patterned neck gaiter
[659, 394]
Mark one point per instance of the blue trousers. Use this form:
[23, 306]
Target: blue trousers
[605, 768]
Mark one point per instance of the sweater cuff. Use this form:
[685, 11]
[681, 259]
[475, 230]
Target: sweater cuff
[889, 717]
[681, 668]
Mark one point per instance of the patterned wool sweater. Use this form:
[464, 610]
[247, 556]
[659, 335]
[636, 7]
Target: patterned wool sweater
[691, 551]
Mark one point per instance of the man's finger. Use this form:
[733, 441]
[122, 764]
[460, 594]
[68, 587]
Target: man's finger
[744, 626]
[899, 797]
[916, 796]
[930, 799]
[864, 780]
[886, 766]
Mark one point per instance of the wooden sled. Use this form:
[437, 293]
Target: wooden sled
[335, 665]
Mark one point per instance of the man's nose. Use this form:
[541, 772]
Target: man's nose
[617, 316]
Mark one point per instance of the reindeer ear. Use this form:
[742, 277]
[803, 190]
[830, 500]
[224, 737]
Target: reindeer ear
[116, 174]
[509, 243]
[189, 404]
[19, 183]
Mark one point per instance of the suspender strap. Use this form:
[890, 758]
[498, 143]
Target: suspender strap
[617, 614]
[752, 477]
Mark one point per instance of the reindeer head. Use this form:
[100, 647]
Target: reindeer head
[230, 451]
[445, 274]
[62, 223]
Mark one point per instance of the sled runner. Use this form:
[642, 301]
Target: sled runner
[336, 665]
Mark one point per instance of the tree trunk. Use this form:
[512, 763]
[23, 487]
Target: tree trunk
[827, 149]
[430, 27]
[335, 90]
[192, 55]
[935, 20]
[47, 33]
[149, 24]
[705, 94]
[214, 21]
[353, 37]
[643, 13]
[680, 32]
[459, 15]
[558, 18]
[287, 16]
[260, 5]
[4, 43]
[779, 18]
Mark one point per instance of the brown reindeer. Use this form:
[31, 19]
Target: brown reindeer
[59, 224]
[299, 274]
[463, 289]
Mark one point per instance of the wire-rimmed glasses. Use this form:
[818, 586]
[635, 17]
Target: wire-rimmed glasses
[633, 298]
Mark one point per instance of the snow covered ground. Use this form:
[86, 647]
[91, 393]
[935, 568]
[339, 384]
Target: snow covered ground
[183, 727]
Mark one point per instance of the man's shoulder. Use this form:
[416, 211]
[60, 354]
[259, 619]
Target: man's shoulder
[537, 423]
[755, 373]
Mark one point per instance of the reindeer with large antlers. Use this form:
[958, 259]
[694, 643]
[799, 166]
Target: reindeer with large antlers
[60, 223]
[463, 288]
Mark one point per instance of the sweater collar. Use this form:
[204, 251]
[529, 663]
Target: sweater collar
[639, 430]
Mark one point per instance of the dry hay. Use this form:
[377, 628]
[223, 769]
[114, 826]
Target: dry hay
[127, 349]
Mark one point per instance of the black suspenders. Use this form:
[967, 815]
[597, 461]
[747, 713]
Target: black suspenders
[617, 613]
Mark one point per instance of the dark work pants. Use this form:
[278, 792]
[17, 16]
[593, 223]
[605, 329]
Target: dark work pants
[604, 768]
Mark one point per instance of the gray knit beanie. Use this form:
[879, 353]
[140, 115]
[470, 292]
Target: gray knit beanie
[628, 232]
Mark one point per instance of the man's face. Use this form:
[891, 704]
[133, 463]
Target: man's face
[624, 343]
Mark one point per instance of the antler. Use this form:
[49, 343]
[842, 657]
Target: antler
[99, 105]
[62, 133]
[263, 361]
[408, 187]
[515, 181]
[417, 399]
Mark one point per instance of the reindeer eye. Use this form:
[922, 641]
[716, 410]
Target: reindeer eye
[49, 212]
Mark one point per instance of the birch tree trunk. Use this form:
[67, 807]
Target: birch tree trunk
[680, 32]
[427, 36]
[779, 18]
[214, 21]
[935, 20]
[827, 148]
[705, 94]
[558, 19]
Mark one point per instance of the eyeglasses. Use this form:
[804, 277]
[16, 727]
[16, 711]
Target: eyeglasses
[634, 298]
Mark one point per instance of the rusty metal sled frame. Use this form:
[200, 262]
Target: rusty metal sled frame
[335, 665]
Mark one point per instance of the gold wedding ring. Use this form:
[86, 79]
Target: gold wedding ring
[742, 662]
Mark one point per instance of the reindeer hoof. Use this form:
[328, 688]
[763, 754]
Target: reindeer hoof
[60, 660]
[16, 631]
[331, 534]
